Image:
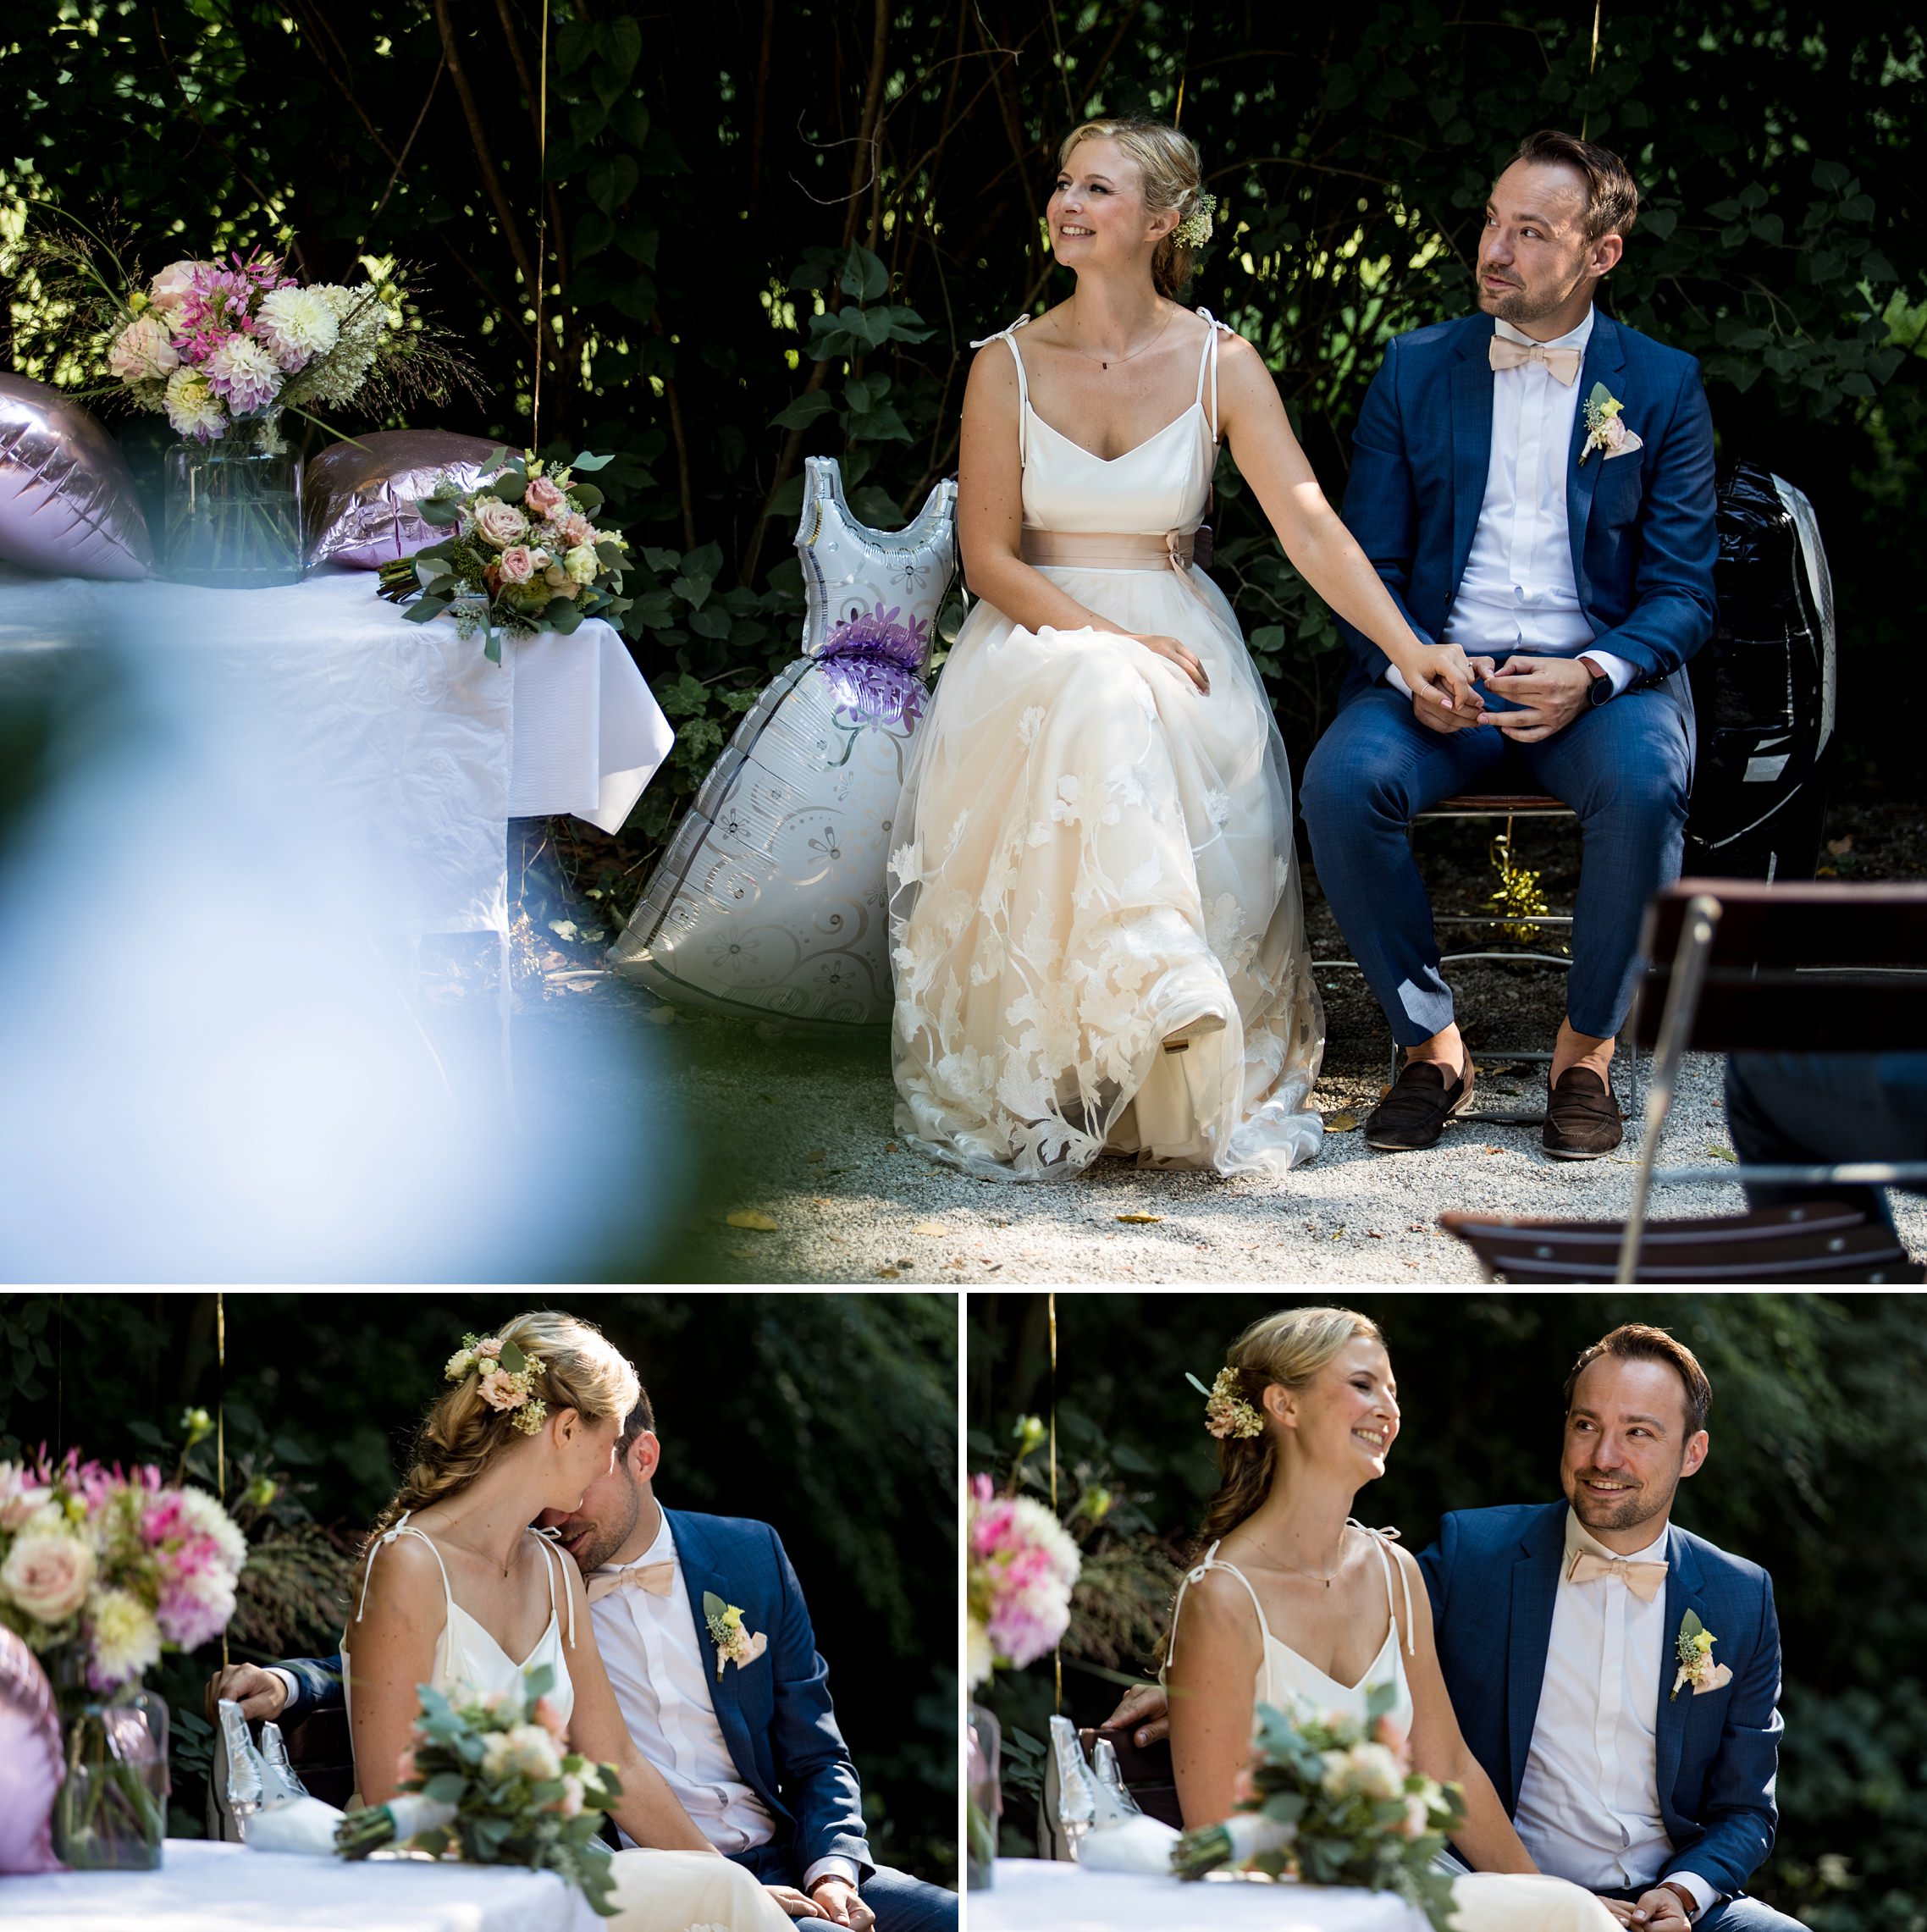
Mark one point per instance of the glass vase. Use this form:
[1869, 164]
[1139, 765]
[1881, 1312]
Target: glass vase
[983, 1797]
[233, 509]
[110, 1814]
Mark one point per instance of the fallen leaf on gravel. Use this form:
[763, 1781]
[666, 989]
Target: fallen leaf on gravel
[1340, 1123]
[1140, 1219]
[1719, 1153]
[1415, 1226]
[1373, 1234]
[889, 1146]
[935, 1229]
[1490, 1148]
[991, 1267]
[753, 1218]
[890, 1273]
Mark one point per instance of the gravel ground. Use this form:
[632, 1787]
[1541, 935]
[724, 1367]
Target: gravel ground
[798, 1135]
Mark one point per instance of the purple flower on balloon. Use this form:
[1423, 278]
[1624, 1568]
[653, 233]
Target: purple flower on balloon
[873, 661]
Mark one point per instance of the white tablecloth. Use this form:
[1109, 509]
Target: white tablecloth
[418, 749]
[1036, 1895]
[203, 1887]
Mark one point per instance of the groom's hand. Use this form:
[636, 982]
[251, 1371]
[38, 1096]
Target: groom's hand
[796, 1904]
[839, 1899]
[1660, 1910]
[1148, 1710]
[1551, 692]
[260, 1694]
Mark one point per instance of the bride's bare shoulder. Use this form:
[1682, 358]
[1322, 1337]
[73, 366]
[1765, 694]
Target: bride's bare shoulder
[403, 1575]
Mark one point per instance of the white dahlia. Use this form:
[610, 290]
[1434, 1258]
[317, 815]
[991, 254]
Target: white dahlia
[297, 325]
[192, 407]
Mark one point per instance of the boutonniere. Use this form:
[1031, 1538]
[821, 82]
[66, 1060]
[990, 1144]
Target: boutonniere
[1693, 1646]
[734, 1643]
[1606, 425]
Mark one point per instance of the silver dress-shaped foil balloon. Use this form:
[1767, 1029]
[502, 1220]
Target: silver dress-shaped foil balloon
[358, 499]
[771, 901]
[66, 500]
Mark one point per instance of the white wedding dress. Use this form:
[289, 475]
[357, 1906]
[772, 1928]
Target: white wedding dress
[1482, 1901]
[1091, 853]
[655, 1891]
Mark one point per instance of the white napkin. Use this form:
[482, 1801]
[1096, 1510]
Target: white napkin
[1137, 1844]
[302, 1824]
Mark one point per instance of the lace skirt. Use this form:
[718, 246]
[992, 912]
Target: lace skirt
[1088, 853]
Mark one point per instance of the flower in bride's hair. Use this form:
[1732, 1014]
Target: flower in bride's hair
[488, 1345]
[1193, 231]
[458, 1365]
[499, 1390]
[1226, 1413]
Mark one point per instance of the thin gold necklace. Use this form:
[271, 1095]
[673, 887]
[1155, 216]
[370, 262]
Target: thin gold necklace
[1157, 338]
[1292, 1569]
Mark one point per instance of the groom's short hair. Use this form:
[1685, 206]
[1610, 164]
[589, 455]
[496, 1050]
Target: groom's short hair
[1637, 1341]
[1612, 197]
[640, 1420]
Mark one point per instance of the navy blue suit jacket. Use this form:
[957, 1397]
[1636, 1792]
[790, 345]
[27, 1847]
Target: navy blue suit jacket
[1492, 1576]
[776, 1714]
[1641, 525]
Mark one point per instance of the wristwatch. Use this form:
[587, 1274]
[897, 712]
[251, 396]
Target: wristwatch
[1687, 1902]
[1601, 688]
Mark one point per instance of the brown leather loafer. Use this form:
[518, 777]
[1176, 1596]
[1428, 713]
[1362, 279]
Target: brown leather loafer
[1413, 1115]
[1582, 1117]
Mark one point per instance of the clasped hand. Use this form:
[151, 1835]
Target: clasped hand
[1548, 693]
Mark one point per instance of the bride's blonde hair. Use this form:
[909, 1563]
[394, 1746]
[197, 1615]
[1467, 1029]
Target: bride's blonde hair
[1172, 177]
[461, 1434]
[1287, 1348]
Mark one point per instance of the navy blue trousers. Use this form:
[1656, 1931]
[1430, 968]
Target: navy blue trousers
[1624, 769]
[902, 1903]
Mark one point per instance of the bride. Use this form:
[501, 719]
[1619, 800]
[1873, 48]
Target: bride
[1097, 926]
[456, 1588]
[1294, 1604]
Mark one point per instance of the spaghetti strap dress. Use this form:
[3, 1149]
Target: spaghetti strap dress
[655, 1891]
[1091, 854]
[1482, 1901]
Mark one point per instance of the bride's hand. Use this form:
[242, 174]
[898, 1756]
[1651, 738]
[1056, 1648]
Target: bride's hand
[1445, 671]
[1186, 660]
[796, 1904]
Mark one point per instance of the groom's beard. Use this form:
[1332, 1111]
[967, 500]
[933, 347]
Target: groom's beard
[1625, 1510]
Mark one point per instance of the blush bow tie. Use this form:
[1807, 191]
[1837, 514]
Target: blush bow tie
[1561, 364]
[658, 1579]
[1642, 1579]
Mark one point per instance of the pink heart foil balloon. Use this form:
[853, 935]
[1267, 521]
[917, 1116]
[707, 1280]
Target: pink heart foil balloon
[29, 1759]
[357, 499]
[66, 500]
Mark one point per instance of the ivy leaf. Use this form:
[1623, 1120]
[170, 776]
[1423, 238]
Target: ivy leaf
[620, 43]
[611, 182]
[593, 233]
[864, 276]
[803, 411]
[630, 118]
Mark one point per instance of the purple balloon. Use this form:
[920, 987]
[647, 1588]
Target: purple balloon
[358, 497]
[66, 500]
[29, 1759]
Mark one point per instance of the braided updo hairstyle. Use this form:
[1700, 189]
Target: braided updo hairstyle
[1287, 1348]
[1172, 177]
[461, 1435]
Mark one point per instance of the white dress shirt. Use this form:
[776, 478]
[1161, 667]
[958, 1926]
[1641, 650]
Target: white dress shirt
[1518, 593]
[654, 1660]
[1589, 1803]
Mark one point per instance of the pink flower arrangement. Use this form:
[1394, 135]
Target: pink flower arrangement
[112, 1566]
[1022, 1567]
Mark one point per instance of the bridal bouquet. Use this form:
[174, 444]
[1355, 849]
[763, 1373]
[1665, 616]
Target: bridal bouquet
[493, 1778]
[1331, 1802]
[523, 553]
[101, 1570]
[1023, 1568]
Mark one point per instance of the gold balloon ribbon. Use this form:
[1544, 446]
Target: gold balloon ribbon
[1586, 118]
[541, 223]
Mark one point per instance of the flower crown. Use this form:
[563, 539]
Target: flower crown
[1193, 231]
[1226, 1413]
[507, 1377]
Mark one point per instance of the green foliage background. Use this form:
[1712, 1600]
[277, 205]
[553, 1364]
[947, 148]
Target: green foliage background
[772, 227]
[832, 1416]
[1816, 1471]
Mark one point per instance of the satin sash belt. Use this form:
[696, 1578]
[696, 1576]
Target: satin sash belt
[1066, 549]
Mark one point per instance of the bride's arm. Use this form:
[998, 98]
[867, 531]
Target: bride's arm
[1440, 1750]
[1216, 1654]
[648, 1811]
[390, 1654]
[989, 518]
[1322, 550]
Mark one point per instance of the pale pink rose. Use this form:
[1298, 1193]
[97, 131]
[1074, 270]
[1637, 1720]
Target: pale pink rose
[518, 564]
[575, 528]
[1612, 432]
[172, 287]
[487, 1346]
[46, 1575]
[549, 1719]
[498, 1390]
[143, 351]
[405, 1768]
[1391, 1734]
[500, 524]
[542, 497]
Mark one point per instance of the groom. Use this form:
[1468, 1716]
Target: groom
[1558, 1628]
[754, 1754]
[1535, 484]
